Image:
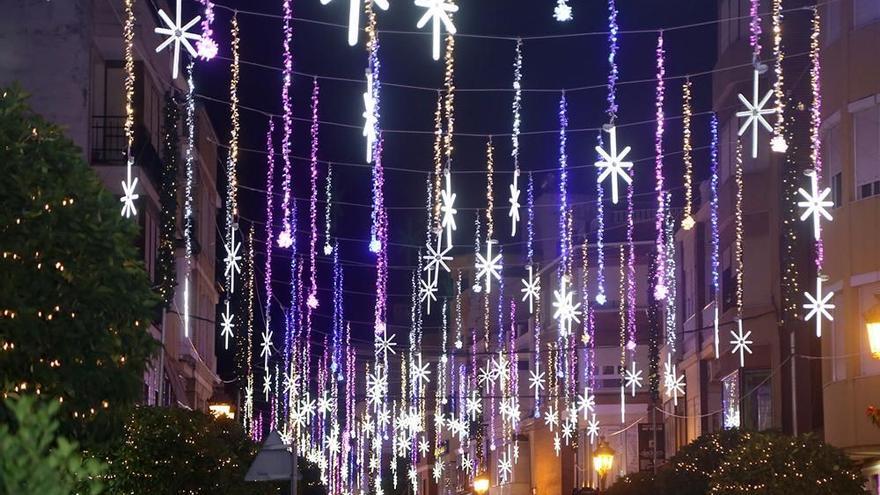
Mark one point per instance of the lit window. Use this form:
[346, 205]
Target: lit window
[866, 144]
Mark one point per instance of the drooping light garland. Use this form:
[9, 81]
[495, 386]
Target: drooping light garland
[373, 66]
[206, 46]
[517, 104]
[778, 143]
[231, 212]
[622, 324]
[660, 281]
[166, 269]
[564, 247]
[687, 222]
[755, 29]
[438, 162]
[130, 183]
[328, 209]
[740, 340]
[285, 237]
[312, 301]
[715, 233]
[270, 216]
[188, 192]
[449, 97]
[248, 351]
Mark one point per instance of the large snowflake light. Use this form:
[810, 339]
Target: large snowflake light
[567, 311]
[741, 342]
[437, 12]
[514, 203]
[562, 11]
[819, 306]
[437, 258]
[586, 402]
[536, 381]
[632, 378]
[613, 166]
[593, 429]
[266, 346]
[448, 208]
[505, 467]
[532, 289]
[354, 10]
[232, 259]
[226, 326]
[815, 204]
[420, 372]
[370, 119]
[428, 292]
[755, 113]
[128, 195]
[488, 267]
[178, 35]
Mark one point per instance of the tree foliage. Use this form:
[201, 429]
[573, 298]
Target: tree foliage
[35, 460]
[75, 300]
[175, 451]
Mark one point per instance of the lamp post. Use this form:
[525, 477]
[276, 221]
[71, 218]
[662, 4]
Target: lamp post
[872, 324]
[603, 459]
[481, 484]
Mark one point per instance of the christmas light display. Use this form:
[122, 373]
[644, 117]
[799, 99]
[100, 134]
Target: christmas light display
[687, 222]
[178, 35]
[659, 246]
[564, 212]
[819, 304]
[488, 267]
[567, 311]
[206, 46]
[354, 10]
[562, 11]
[129, 185]
[312, 300]
[370, 115]
[778, 143]
[755, 112]
[285, 237]
[715, 258]
[328, 209]
[740, 340]
[612, 164]
[448, 209]
[517, 104]
[247, 352]
[437, 258]
[815, 204]
[632, 378]
[231, 211]
[532, 288]
[270, 216]
[438, 12]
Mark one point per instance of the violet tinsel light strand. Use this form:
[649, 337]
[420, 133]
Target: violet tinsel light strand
[328, 208]
[755, 29]
[612, 61]
[270, 216]
[778, 142]
[659, 245]
[206, 46]
[312, 301]
[611, 99]
[285, 237]
[630, 275]
[564, 248]
[231, 213]
[716, 239]
[816, 121]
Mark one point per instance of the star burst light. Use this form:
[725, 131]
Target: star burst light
[613, 166]
[428, 291]
[232, 259]
[420, 372]
[755, 113]
[226, 326]
[177, 34]
[370, 117]
[567, 311]
[741, 342]
[531, 289]
[551, 419]
[536, 380]
[354, 9]
[562, 11]
[437, 258]
[437, 12]
[267, 383]
[815, 204]
[266, 346]
[385, 344]
[505, 467]
[514, 203]
[128, 195]
[593, 429]
[489, 267]
[633, 378]
[586, 402]
[675, 385]
[819, 306]
[448, 209]
[473, 405]
[487, 377]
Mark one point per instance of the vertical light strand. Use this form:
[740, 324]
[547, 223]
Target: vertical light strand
[328, 209]
[716, 237]
[530, 225]
[564, 248]
[231, 212]
[623, 325]
[438, 163]
[671, 294]
[816, 124]
[659, 245]
[128, 208]
[514, 138]
[611, 99]
[206, 46]
[373, 67]
[778, 143]
[249, 358]
[312, 301]
[755, 30]
[188, 192]
[738, 225]
[490, 190]
[687, 222]
[285, 237]
[449, 97]
[270, 219]
[601, 298]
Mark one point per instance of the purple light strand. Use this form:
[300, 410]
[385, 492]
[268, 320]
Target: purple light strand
[660, 282]
[612, 61]
[338, 322]
[816, 123]
[206, 46]
[563, 186]
[312, 301]
[755, 30]
[713, 185]
[378, 177]
[285, 237]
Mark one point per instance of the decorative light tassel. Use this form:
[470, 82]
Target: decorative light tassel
[188, 193]
[206, 46]
[755, 30]
[438, 164]
[816, 122]
[312, 301]
[716, 239]
[671, 297]
[624, 327]
[738, 224]
[660, 288]
[288, 229]
[232, 163]
[687, 222]
[564, 248]
[778, 143]
[249, 358]
[130, 183]
[517, 105]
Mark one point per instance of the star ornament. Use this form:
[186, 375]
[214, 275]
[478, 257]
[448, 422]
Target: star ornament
[514, 203]
[354, 10]
[427, 292]
[232, 259]
[489, 267]
[741, 342]
[613, 165]
[473, 405]
[505, 467]
[815, 204]
[385, 344]
[437, 12]
[819, 306]
[562, 11]
[754, 113]
[226, 326]
[178, 35]
[567, 311]
[536, 381]
[447, 208]
[531, 289]
[370, 118]
[437, 258]
[675, 386]
[420, 372]
[632, 378]
[128, 195]
[593, 429]
[266, 346]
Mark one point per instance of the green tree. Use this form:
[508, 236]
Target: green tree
[173, 451]
[75, 301]
[774, 464]
[689, 470]
[35, 460]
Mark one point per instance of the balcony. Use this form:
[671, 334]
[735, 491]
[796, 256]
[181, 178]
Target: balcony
[108, 146]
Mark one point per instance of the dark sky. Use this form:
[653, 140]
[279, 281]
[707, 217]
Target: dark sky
[480, 63]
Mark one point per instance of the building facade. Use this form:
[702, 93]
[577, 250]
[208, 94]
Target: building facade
[69, 57]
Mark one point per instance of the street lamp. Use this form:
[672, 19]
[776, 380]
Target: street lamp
[872, 323]
[481, 484]
[602, 461]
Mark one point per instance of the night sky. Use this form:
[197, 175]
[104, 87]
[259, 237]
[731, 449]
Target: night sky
[549, 64]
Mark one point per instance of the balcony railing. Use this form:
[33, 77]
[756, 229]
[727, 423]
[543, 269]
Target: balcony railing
[109, 145]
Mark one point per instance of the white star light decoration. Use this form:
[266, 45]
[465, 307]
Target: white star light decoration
[551, 419]
[232, 259]
[613, 165]
[819, 306]
[633, 378]
[354, 10]
[385, 344]
[505, 467]
[226, 326]
[567, 310]
[586, 402]
[420, 372]
[536, 381]
[427, 291]
[267, 384]
[370, 119]
[266, 346]
[741, 342]
[489, 267]
[593, 429]
[675, 386]
[531, 289]
[178, 35]
[447, 208]
[473, 405]
[437, 12]
[562, 11]
[514, 203]
[815, 204]
[755, 113]
[437, 258]
[128, 195]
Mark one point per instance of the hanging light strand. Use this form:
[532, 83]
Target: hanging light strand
[716, 238]
[816, 120]
[188, 192]
[206, 46]
[490, 190]
[270, 216]
[312, 301]
[564, 248]
[285, 237]
[659, 246]
[130, 184]
[232, 159]
[738, 225]
[755, 29]
[687, 220]
[778, 141]
[328, 209]
[438, 163]
[449, 101]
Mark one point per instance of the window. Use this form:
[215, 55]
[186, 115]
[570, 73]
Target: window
[866, 134]
[865, 11]
[833, 18]
[735, 22]
[728, 281]
[837, 189]
[831, 151]
[838, 344]
[755, 402]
